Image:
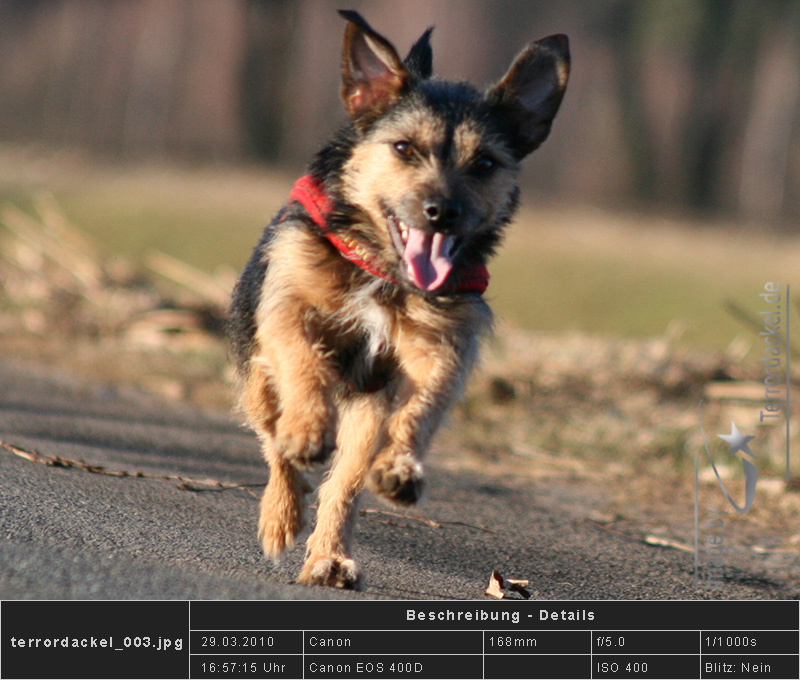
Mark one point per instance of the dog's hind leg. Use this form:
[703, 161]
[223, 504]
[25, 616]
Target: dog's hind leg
[328, 561]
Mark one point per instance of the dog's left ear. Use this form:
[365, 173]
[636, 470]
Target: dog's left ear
[373, 75]
[531, 92]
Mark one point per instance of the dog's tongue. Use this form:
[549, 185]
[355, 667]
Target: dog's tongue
[427, 258]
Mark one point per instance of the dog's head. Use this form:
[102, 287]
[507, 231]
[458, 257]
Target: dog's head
[434, 165]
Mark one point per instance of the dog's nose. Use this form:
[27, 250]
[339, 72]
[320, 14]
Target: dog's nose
[440, 211]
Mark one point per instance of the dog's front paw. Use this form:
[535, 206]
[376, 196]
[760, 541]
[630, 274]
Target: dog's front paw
[336, 571]
[305, 439]
[398, 479]
[277, 532]
[276, 537]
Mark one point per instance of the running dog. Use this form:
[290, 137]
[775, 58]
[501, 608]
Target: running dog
[358, 318]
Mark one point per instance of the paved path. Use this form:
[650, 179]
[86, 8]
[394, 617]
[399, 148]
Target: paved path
[71, 533]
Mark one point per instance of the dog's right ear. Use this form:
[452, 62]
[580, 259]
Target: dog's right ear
[420, 57]
[373, 75]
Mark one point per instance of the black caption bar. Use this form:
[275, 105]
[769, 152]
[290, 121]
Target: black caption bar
[415, 640]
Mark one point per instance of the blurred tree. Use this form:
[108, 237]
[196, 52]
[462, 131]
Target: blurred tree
[729, 71]
[692, 103]
[264, 79]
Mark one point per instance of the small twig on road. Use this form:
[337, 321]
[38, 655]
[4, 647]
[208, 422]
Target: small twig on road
[471, 526]
[612, 531]
[648, 540]
[370, 511]
[668, 543]
[185, 483]
[429, 522]
[423, 520]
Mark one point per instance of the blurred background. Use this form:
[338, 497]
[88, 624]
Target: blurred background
[669, 186]
[690, 103]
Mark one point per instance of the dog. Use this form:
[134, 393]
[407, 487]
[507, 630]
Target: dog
[357, 320]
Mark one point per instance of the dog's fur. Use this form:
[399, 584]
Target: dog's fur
[362, 363]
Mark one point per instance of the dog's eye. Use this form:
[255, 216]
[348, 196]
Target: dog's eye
[483, 165]
[404, 149]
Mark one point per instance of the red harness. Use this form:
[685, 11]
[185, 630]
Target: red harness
[311, 195]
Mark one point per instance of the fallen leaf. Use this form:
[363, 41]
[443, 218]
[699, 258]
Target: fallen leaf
[519, 585]
[498, 586]
[495, 588]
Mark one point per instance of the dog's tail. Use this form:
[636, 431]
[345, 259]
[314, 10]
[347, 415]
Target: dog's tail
[420, 57]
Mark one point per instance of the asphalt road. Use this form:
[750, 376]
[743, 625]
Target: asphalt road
[68, 532]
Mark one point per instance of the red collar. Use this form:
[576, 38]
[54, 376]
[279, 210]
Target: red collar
[311, 195]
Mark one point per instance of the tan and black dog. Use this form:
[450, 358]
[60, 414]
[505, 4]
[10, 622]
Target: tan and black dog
[357, 320]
